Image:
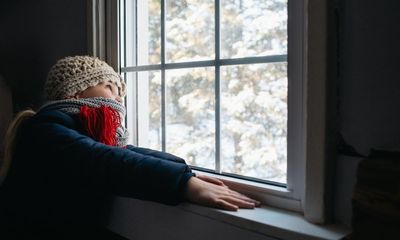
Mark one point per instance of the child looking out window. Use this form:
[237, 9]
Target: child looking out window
[72, 155]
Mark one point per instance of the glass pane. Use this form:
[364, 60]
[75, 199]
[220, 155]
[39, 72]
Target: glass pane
[148, 36]
[131, 111]
[190, 115]
[254, 120]
[149, 109]
[189, 30]
[149, 32]
[253, 28]
[129, 30]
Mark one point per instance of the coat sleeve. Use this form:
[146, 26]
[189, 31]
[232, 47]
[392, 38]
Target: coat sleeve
[110, 169]
[155, 153]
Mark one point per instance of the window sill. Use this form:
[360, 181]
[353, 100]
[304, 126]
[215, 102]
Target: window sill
[272, 222]
[138, 219]
[269, 195]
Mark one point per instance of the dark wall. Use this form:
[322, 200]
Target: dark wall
[370, 74]
[368, 88]
[33, 36]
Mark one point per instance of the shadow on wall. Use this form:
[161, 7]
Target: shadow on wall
[34, 35]
[24, 74]
[22, 52]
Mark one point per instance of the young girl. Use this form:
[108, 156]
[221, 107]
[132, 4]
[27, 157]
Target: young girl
[72, 155]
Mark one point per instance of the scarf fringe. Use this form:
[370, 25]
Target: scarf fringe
[100, 123]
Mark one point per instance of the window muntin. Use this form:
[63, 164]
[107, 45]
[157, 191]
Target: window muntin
[258, 54]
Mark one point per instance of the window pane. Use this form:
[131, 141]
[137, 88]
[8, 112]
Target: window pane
[190, 115]
[149, 34]
[149, 109]
[253, 28]
[155, 110]
[128, 40]
[189, 30]
[254, 120]
[145, 47]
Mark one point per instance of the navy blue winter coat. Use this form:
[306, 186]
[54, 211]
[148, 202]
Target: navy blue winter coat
[59, 176]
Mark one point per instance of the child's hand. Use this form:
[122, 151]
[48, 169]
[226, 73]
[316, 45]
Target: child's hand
[211, 180]
[217, 195]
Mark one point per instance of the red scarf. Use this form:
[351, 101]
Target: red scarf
[100, 123]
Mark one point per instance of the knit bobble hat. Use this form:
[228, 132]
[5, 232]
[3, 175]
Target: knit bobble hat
[72, 75]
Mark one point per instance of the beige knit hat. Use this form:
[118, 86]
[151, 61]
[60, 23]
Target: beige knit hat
[71, 75]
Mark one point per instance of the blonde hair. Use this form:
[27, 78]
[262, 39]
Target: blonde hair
[11, 139]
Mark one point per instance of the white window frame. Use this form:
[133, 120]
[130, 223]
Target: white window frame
[306, 175]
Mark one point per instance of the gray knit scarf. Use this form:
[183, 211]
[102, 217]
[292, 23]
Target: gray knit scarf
[72, 107]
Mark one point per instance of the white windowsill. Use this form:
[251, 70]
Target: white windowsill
[138, 219]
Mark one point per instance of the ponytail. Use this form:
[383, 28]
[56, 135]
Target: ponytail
[11, 139]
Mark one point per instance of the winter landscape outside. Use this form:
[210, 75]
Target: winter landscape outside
[253, 96]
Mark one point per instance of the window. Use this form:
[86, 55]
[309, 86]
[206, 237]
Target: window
[211, 82]
[208, 81]
[202, 74]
